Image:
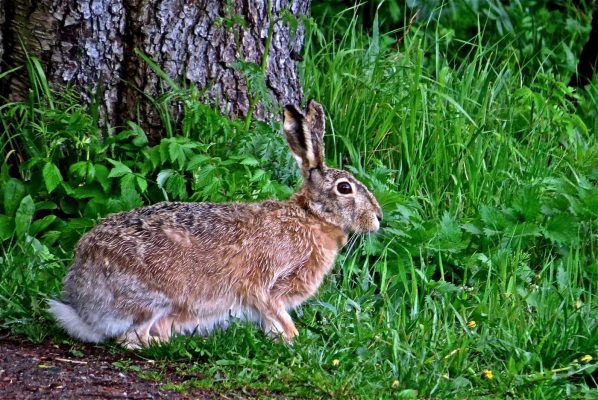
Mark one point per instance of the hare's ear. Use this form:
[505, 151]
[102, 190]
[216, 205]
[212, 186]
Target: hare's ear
[307, 148]
[316, 120]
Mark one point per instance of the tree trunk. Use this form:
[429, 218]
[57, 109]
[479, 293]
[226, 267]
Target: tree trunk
[1, 33]
[90, 45]
[588, 60]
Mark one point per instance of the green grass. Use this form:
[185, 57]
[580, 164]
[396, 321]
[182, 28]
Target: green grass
[486, 261]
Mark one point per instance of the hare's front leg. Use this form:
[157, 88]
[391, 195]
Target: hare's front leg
[275, 318]
[283, 325]
[164, 327]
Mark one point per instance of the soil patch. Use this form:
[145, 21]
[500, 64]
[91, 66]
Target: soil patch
[53, 371]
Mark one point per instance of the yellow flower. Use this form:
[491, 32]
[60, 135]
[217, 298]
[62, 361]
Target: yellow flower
[395, 383]
[586, 359]
[471, 324]
[335, 362]
[487, 374]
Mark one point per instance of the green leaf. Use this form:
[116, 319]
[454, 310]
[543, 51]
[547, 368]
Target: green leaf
[163, 176]
[141, 183]
[154, 156]
[562, 229]
[129, 195]
[24, 216]
[521, 230]
[175, 185]
[102, 176]
[444, 287]
[449, 235]
[472, 228]
[196, 161]
[460, 382]
[407, 394]
[127, 183]
[41, 224]
[140, 138]
[258, 175]
[562, 279]
[50, 237]
[83, 192]
[46, 205]
[527, 204]
[205, 176]
[494, 220]
[131, 199]
[589, 199]
[163, 147]
[83, 170]
[52, 176]
[250, 161]
[13, 193]
[175, 152]
[119, 169]
[115, 205]
[7, 227]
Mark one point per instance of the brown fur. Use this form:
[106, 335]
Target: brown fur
[184, 267]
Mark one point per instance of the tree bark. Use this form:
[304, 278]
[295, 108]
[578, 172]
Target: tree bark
[588, 59]
[89, 44]
[2, 20]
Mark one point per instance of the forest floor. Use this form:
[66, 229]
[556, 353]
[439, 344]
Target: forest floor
[52, 371]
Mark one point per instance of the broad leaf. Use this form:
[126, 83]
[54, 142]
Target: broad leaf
[163, 176]
[41, 224]
[141, 183]
[102, 176]
[562, 229]
[24, 216]
[7, 227]
[13, 192]
[119, 169]
[52, 176]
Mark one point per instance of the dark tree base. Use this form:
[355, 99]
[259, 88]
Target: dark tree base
[90, 44]
[588, 60]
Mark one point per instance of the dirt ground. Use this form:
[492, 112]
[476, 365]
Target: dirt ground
[50, 371]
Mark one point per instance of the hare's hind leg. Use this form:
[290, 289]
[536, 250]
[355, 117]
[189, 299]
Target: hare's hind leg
[139, 334]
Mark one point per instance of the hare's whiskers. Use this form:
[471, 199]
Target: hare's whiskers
[350, 244]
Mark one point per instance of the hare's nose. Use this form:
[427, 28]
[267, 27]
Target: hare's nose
[379, 216]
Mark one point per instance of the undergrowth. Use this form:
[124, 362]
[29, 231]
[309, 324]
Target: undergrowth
[482, 281]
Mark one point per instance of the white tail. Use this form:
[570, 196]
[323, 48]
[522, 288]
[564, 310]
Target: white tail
[68, 318]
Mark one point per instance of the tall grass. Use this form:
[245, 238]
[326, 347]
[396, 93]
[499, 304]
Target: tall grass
[482, 282]
[449, 133]
[476, 156]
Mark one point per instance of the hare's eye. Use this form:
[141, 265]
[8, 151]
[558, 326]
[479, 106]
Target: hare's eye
[344, 188]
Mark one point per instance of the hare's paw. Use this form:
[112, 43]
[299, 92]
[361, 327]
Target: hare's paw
[129, 340]
[290, 333]
[283, 328]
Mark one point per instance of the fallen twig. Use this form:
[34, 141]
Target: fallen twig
[70, 361]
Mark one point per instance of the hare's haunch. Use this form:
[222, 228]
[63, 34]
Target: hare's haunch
[180, 268]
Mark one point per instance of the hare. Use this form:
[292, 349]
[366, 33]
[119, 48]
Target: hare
[180, 268]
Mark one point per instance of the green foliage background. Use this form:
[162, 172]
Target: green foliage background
[460, 121]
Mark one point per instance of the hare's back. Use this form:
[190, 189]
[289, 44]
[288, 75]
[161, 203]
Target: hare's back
[166, 226]
[159, 243]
